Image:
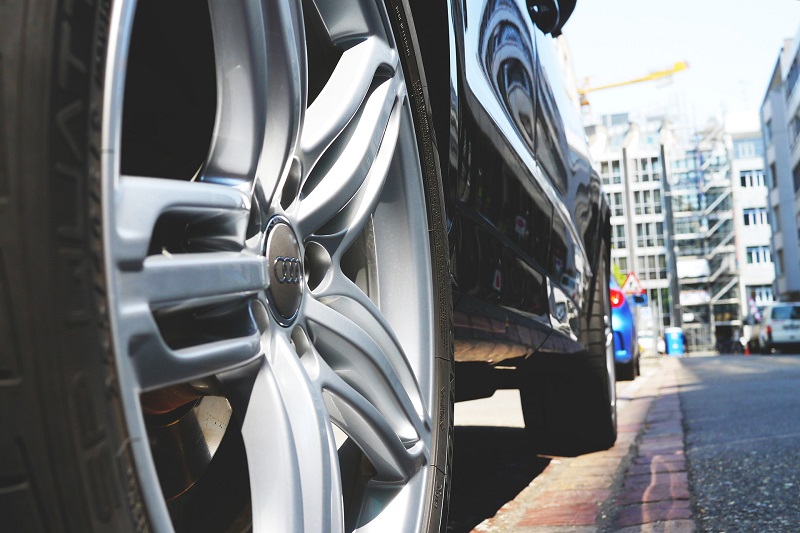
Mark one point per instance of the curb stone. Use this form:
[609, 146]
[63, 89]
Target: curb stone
[640, 484]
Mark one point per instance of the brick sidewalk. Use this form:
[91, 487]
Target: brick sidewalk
[638, 485]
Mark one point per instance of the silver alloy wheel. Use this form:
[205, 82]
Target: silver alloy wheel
[348, 342]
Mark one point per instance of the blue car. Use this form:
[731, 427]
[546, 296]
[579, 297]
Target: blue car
[626, 346]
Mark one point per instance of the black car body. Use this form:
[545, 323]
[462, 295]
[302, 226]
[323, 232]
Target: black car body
[528, 222]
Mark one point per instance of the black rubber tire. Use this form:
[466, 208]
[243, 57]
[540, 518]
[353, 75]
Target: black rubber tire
[626, 371]
[442, 452]
[65, 462]
[568, 400]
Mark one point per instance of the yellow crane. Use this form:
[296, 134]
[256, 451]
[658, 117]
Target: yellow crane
[677, 67]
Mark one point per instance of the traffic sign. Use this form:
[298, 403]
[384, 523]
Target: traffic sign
[632, 285]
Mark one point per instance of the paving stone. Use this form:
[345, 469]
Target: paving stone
[597, 470]
[646, 480]
[665, 454]
[670, 526]
[653, 493]
[579, 514]
[581, 483]
[653, 512]
[656, 467]
[553, 498]
[661, 443]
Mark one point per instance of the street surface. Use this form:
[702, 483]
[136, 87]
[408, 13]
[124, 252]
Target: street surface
[742, 416]
[706, 444]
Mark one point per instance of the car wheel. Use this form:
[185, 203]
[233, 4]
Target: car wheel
[569, 401]
[223, 269]
[626, 371]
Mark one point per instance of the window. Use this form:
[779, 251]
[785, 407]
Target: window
[791, 78]
[773, 176]
[647, 202]
[617, 209]
[746, 148]
[685, 202]
[768, 131]
[780, 262]
[650, 234]
[751, 178]
[622, 263]
[618, 237]
[652, 266]
[755, 217]
[788, 312]
[760, 294]
[687, 226]
[616, 173]
[776, 219]
[758, 254]
[796, 177]
[794, 129]
[647, 169]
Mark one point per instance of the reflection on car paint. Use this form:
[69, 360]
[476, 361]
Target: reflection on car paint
[528, 212]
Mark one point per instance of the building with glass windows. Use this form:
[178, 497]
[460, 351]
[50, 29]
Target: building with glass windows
[780, 126]
[630, 159]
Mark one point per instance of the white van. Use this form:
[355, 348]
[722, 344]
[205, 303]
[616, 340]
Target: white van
[780, 327]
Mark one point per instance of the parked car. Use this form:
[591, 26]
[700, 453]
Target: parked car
[244, 246]
[626, 343]
[778, 329]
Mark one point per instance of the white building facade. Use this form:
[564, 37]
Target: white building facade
[631, 167]
[751, 212]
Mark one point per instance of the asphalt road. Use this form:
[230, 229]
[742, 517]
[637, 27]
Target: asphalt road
[742, 422]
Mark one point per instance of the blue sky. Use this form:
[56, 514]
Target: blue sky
[731, 47]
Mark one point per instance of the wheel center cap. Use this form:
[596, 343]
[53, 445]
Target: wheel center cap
[285, 290]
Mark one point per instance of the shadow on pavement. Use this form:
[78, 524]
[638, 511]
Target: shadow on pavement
[491, 465]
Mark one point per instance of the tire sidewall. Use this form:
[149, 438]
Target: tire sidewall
[438, 492]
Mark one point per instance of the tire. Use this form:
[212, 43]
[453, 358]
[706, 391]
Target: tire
[211, 318]
[569, 400]
[626, 371]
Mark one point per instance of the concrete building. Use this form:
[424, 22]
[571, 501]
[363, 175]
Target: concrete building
[630, 158]
[753, 234]
[780, 124]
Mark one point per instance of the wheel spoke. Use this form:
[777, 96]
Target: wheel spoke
[156, 365]
[195, 279]
[347, 21]
[362, 422]
[294, 467]
[260, 60]
[365, 354]
[141, 201]
[365, 158]
[342, 97]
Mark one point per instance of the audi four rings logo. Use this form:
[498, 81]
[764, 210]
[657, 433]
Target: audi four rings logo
[287, 269]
